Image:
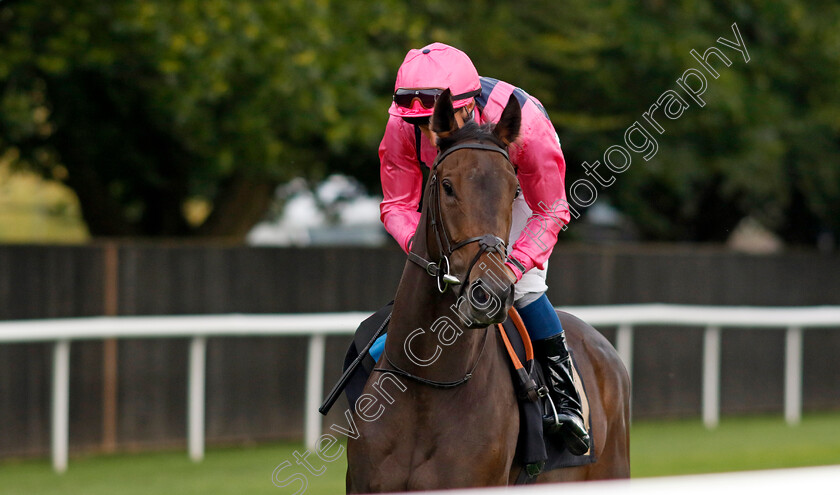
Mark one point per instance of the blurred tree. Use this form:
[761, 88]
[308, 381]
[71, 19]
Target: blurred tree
[143, 107]
[765, 145]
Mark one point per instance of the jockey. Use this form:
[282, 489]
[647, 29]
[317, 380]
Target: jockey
[539, 213]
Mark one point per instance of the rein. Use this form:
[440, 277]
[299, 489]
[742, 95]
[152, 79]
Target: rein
[487, 242]
[401, 372]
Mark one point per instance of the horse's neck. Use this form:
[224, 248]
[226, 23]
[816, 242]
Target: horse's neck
[426, 335]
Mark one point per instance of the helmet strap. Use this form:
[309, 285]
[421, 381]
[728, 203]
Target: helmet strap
[417, 136]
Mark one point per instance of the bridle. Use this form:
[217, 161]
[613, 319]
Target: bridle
[488, 243]
[440, 270]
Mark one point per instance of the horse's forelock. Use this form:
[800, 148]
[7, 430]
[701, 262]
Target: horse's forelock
[470, 132]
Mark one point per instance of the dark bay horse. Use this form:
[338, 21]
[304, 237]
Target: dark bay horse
[440, 410]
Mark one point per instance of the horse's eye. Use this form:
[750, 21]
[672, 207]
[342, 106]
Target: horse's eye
[447, 187]
[518, 192]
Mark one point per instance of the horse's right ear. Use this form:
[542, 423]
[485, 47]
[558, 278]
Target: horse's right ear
[443, 118]
[507, 129]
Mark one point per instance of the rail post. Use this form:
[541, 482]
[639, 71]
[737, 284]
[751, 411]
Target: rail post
[624, 346]
[195, 398]
[711, 377]
[60, 405]
[793, 375]
[314, 390]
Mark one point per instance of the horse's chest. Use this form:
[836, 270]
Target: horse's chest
[423, 463]
[438, 446]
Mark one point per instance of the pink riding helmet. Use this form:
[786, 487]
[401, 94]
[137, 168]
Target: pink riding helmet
[437, 66]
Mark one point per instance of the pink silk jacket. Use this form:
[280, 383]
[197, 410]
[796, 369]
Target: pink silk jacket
[536, 154]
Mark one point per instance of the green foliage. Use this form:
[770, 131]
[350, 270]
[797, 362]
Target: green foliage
[765, 144]
[149, 104]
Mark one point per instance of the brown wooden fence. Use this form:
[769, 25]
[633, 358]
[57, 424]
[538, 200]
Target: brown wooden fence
[132, 394]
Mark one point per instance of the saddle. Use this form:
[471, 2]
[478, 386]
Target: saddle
[534, 450]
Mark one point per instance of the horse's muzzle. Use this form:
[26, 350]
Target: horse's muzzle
[488, 302]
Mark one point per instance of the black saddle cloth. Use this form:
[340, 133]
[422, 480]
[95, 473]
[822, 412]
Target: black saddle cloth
[533, 447]
[367, 329]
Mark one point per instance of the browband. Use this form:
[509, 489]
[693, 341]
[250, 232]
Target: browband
[475, 146]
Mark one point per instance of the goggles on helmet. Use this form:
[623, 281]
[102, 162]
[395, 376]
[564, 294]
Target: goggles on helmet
[405, 97]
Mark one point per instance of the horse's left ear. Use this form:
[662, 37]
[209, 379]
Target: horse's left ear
[507, 129]
[443, 118]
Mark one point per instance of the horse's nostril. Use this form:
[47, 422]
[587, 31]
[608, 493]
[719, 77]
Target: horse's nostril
[479, 294]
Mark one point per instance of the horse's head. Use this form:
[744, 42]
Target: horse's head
[469, 208]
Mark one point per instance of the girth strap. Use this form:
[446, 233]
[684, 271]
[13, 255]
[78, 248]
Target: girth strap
[527, 387]
[523, 334]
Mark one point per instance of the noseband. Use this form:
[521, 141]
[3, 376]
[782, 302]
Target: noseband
[486, 242]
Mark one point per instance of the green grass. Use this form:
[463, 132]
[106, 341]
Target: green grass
[223, 471]
[738, 444]
[658, 449]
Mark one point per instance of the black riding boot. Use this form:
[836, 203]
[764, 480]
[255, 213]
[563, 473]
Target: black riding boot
[568, 422]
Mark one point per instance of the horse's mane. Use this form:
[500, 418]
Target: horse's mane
[470, 132]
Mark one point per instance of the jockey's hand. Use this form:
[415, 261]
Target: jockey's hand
[511, 276]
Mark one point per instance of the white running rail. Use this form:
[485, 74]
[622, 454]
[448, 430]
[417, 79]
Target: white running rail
[61, 332]
[818, 480]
